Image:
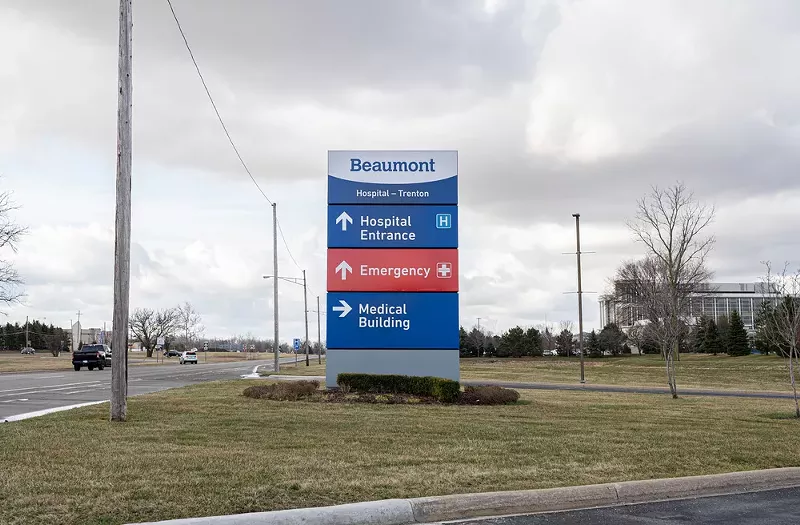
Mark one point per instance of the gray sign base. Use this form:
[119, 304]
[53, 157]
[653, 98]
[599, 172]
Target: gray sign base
[437, 363]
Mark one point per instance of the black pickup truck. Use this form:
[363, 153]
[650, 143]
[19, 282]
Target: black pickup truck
[91, 356]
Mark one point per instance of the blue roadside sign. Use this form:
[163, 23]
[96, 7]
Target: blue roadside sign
[297, 344]
[358, 226]
[371, 320]
[393, 177]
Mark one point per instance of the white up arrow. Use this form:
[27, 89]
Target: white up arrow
[344, 218]
[344, 268]
[345, 308]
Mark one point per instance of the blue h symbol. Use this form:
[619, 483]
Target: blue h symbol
[443, 221]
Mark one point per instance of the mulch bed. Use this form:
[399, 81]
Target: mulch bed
[382, 399]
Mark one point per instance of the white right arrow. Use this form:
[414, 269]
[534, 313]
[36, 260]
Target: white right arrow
[344, 268]
[345, 308]
[344, 218]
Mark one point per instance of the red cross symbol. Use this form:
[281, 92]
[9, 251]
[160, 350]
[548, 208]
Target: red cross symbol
[444, 270]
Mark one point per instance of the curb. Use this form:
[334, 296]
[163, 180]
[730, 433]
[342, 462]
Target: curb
[46, 411]
[465, 506]
[385, 512]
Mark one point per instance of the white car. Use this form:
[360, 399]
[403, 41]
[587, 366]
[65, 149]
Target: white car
[188, 357]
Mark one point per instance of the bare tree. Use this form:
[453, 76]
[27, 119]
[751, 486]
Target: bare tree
[189, 322]
[782, 326]
[147, 325]
[10, 235]
[548, 335]
[670, 224]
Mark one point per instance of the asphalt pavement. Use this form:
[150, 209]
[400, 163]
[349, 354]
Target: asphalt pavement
[34, 391]
[774, 507]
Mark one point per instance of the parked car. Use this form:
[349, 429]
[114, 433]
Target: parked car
[188, 357]
[27, 350]
[91, 356]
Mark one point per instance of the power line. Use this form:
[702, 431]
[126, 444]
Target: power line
[287, 247]
[225, 128]
[213, 104]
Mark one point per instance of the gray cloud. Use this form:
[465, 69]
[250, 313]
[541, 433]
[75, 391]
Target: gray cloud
[555, 107]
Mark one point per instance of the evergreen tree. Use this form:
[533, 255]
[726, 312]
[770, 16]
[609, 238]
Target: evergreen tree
[712, 342]
[649, 341]
[737, 343]
[723, 327]
[533, 342]
[612, 339]
[463, 343]
[512, 343]
[699, 335]
[593, 348]
[564, 343]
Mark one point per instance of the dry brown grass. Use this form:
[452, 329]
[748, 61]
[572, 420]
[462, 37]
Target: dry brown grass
[761, 373]
[234, 454]
[757, 373]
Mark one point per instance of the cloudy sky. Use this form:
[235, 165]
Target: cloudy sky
[555, 107]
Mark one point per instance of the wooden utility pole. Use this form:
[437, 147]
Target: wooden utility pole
[122, 225]
[277, 344]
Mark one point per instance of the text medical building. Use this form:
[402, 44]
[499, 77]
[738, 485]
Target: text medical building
[714, 300]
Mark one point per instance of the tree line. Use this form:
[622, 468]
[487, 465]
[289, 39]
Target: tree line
[181, 328]
[544, 340]
[41, 336]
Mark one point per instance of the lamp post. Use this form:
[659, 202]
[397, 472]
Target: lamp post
[580, 292]
[300, 282]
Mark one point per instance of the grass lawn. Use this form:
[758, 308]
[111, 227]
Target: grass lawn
[44, 361]
[234, 454]
[755, 372]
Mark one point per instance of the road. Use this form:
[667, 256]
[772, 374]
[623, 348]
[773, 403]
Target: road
[33, 391]
[775, 507]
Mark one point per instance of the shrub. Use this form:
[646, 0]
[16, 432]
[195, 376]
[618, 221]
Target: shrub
[488, 395]
[444, 390]
[284, 391]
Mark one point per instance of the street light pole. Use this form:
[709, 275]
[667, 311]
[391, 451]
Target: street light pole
[580, 291]
[305, 303]
[277, 344]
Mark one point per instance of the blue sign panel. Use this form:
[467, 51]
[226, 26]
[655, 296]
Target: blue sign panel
[357, 226]
[392, 177]
[296, 344]
[393, 320]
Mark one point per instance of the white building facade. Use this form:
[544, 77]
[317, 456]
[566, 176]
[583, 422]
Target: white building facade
[714, 301]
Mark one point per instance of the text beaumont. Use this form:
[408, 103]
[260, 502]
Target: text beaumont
[391, 165]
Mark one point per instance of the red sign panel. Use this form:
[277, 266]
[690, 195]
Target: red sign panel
[356, 270]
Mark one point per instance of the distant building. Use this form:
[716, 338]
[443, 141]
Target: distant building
[714, 301]
[89, 335]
